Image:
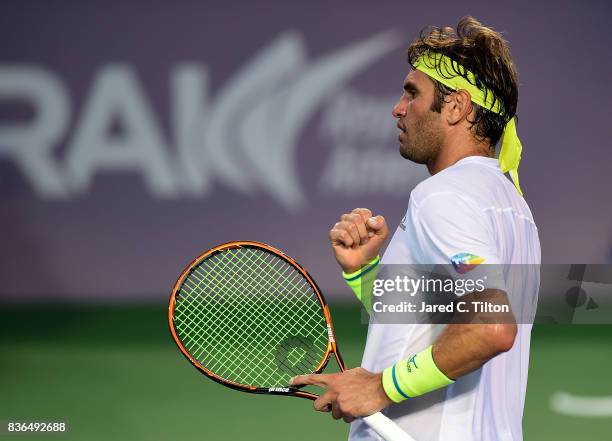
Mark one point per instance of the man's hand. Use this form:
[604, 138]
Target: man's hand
[350, 394]
[357, 238]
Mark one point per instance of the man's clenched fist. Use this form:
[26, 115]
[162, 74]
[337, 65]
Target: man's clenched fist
[357, 238]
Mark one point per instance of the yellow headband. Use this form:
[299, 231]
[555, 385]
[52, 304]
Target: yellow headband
[446, 73]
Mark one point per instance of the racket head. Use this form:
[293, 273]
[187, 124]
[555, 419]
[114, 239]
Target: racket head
[250, 317]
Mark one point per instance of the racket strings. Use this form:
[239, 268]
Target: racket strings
[258, 354]
[297, 359]
[254, 315]
[304, 285]
[250, 317]
[219, 333]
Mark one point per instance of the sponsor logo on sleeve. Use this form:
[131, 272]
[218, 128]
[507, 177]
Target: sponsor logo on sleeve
[464, 262]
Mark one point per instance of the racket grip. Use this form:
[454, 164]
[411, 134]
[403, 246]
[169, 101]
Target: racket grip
[386, 428]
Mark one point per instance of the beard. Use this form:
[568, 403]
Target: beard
[422, 140]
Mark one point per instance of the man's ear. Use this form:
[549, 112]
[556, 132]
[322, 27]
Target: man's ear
[458, 107]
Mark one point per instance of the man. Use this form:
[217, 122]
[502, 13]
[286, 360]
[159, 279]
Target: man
[464, 380]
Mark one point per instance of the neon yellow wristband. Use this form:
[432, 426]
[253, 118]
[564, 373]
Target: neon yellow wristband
[362, 280]
[417, 375]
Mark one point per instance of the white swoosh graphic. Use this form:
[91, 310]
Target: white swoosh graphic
[269, 134]
[233, 102]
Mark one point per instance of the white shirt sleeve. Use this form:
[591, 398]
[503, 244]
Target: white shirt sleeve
[452, 230]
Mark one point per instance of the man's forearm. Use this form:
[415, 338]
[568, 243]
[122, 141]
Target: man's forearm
[463, 348]
[473, 339]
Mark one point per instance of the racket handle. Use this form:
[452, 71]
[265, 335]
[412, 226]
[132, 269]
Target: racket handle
[386, 428]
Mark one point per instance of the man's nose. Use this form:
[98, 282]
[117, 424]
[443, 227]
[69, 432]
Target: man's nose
[399, 110]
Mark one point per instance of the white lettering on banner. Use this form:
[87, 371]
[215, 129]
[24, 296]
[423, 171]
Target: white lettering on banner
[293, 106]
[117, 95]
[358, 129]
[30, 144]
[245, 139]
[359, 119]
[189, 84]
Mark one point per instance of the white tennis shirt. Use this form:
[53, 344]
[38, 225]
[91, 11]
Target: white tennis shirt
[472, 208]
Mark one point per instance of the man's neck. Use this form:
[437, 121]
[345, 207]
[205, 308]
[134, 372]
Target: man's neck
[454, 151]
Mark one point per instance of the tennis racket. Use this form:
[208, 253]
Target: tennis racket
[250, 317]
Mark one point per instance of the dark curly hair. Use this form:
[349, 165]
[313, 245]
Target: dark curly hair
[486, 54]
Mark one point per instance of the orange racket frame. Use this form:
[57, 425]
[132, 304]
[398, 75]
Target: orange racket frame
[332, 346]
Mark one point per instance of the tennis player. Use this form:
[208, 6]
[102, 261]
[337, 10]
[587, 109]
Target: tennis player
[459, 381]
